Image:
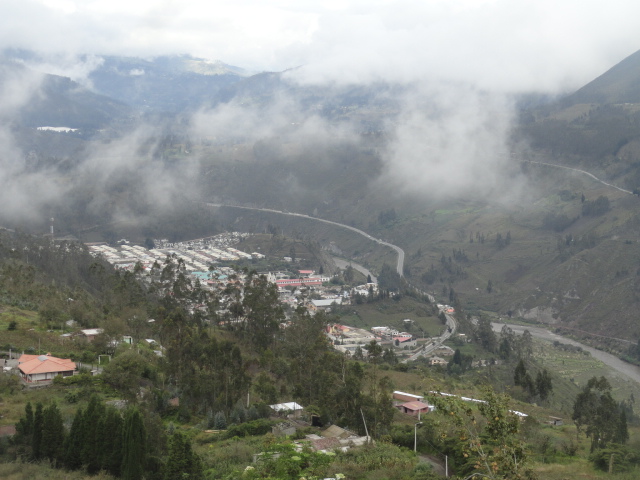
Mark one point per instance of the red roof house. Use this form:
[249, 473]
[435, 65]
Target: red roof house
[414, 408]
[40, 368]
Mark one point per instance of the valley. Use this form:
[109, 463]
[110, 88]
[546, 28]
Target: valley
[205, 245]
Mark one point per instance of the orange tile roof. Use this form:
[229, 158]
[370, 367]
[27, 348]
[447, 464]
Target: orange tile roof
[32, 364]
[26, 357]
[415, 405]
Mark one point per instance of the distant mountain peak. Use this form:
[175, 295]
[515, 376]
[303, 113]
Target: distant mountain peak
[619, 84]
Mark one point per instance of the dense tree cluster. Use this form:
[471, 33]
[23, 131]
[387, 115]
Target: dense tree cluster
[541, 386]
[557, 221]
[102, 438]
[597, 414]
[593, 208]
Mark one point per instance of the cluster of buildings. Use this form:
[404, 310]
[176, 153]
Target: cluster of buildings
[196, 255]
[348, 339]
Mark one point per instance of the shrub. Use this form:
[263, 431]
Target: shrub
[620, 457]
[256, 427]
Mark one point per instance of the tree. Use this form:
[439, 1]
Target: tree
[544, 385]
[111, 457]
[220, 421]
[134, 445]
[621, 434]
[595, 411]
[507, 343]
[263, 310]
[24, 427]
[491, 449]
[519, 374]
[125, 371]
[596, 207]
[525, 345]
[74, 442]
[349, 274]
[389, 279]
[486, 336]
[182, 461]
[52, 434]
[92, 435]
[38, 422]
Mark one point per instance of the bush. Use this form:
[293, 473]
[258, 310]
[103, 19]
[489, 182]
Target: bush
[256, 427]
[623, 458]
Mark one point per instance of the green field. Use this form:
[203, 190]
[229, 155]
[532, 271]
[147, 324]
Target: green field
[391, 313]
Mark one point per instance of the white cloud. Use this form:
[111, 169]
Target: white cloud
[449, 142]
[500, 44]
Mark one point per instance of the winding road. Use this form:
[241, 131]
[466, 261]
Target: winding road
[584, 172]
[399, 251]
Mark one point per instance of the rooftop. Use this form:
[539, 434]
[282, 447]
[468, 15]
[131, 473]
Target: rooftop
[32, 364]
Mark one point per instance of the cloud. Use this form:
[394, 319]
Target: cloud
[499, 44]
[455, 65]
[77, 68]
[449, 142]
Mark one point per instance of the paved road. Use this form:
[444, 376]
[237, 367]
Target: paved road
[631, 371]
[450, 329]
[584, 172]
[399, 251]
[341, 263]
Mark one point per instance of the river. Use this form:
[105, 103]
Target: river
[630, 371]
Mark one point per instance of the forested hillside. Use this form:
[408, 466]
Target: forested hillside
[195, 401]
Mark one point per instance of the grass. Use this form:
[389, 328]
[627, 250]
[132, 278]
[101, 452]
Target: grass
[391, 313]
[29, 471]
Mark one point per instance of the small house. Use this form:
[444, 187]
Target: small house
[42, 368]
[289, 408]
[555, 421]
[433, 361]
[90, 334]
[414, 408]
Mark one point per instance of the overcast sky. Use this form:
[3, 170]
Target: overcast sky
[508, 45]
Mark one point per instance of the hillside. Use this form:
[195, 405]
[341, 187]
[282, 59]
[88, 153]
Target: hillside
[56, 101]
[325, 152]
[617, 85]
[595, 127]
[164, 84]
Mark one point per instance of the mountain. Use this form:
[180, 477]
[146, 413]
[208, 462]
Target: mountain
[596, 127]
[562, 265]
[55, 101]
[619, 84]
[164, 84]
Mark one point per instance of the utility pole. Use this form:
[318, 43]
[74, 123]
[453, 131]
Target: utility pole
[415, 436]
[365, 425]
